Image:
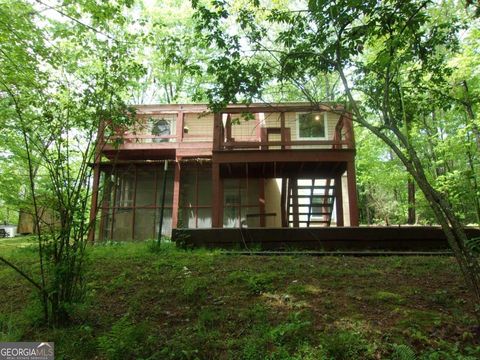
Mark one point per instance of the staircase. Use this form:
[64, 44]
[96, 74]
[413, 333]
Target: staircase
[310, 202]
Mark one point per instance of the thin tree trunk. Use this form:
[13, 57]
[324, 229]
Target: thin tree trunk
[411, 219]
[470, 113]
[451, 226]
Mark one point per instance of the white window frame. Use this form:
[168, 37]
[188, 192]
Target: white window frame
[171, 118]
[325, 123]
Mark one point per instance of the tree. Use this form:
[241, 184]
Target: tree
[382, 51]
[174, 64]
[60, 77]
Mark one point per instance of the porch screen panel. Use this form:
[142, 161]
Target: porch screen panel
[106, 224]
[145, 193]
[196, 196]
[131, 203]
[204, 218]
[231, 202]
[122, 214]
[167, 212]
[241, 198]
[167, 222]
[188, 218]
[188, 198]
[122, 224]
[144, 224]
[169, 187]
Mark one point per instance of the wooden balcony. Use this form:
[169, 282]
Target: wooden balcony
[195, 132]
[138, 142]
[275, 136]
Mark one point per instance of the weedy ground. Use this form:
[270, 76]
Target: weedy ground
[176, 304]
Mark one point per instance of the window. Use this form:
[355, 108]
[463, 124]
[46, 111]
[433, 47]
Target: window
[163, 126]
[312, 125]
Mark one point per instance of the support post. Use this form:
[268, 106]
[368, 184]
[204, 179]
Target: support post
[217, 132]
[228, 128]
[352, 194]
[217, 191]
[339, 200]
[162, 204]
[134, 210]
[180, 126]
[294, 189]
[94, 205]
[282, 130]
[176, 194]
[283, 202]
[258, 127]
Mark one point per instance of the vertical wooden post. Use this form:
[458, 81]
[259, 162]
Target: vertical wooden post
[352, 193]
[283, 202]
[282, 129]
[107, 189]
[180, 126]
[294, 189]
[339, 200]
[162, 204]
[263, 138]
[94, 205]
[217, 132]
[217, 200]
[228, 128]
[134, 207]
[258, 127]
[176, 194]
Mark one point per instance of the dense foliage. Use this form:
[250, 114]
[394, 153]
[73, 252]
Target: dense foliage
[62, 72]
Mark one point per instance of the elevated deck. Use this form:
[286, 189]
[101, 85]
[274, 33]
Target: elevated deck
[404, 238]
[256, 133]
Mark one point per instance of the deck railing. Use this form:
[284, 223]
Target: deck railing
[229, 134]
[259, 137]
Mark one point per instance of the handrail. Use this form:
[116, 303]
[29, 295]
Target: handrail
[255, 144]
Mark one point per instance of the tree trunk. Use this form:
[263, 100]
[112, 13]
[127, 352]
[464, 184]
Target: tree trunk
[470, 113]
[451, 226]
[411, 219]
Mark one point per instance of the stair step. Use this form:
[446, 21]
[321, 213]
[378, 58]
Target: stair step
[311, 221]
[314, 195]
[323, 213]
[314, 187]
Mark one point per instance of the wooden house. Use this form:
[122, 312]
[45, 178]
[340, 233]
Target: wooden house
[277, 165]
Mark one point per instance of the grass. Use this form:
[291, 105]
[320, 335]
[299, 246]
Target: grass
[175, 304]
[8, 245]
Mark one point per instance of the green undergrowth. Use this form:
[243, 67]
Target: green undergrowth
[146, 302]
